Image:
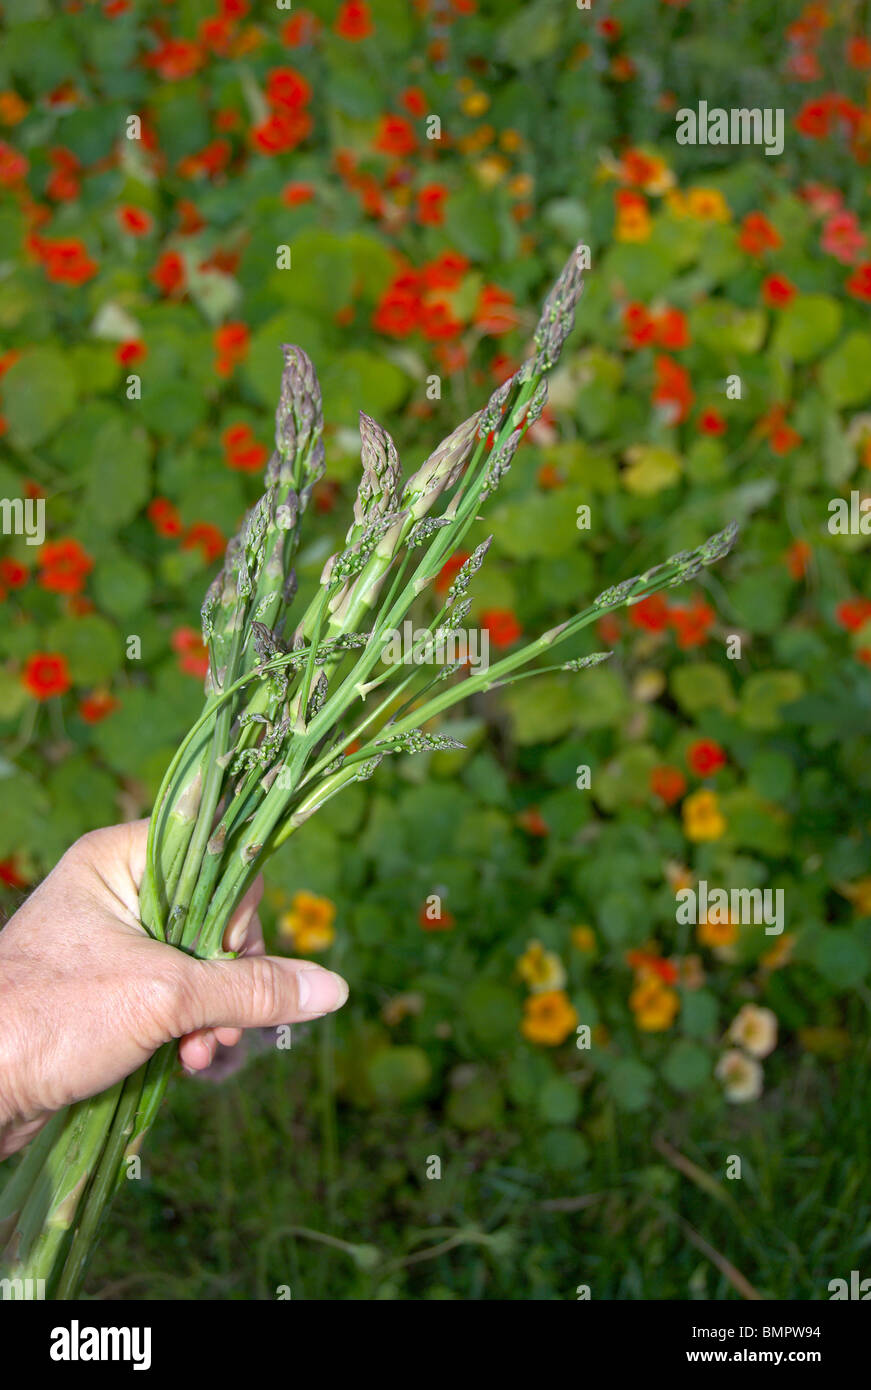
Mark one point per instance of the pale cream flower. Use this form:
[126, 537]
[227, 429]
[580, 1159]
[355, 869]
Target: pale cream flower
[755, 1030]
[741, 1076]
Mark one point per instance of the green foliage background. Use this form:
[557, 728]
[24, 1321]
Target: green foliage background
[559, 1168]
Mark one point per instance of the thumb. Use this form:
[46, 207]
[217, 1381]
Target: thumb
[256, 992]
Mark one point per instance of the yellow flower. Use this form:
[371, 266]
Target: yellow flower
[511, 141]
[541, 969]
[548, 1018]
[708, 205]
[653, 1004]
[741, 1076]
[308, 926]
[12, 108]
[717, 934]
[702, 818]
[859, 894]
[491, 169]
[754, 1029]
[676, 203]
[584, 938]
[477, 141]
[520, 186]
[633, 218]
[779, 954]
[475, 104]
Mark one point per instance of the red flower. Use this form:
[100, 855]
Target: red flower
[98, 705]
[63, 185]
[448, 572]
[175, 59]
[13, 575]
[134, 221]
[399, 313]
[301, 29]
[646, 960]
[414, 101]
[651, 613]
[672, 390]
[758, 235]
[169, 273]
[705, 757]
[10, 875]
[190, 219]
[495, 311]
[207, 537]
[502, 625]
[282, 131]
[164, 517]
[64, 566]
[859, 283]
[443, 922]
[395, 136]
[691, 624]
[797, 558]
[438, 321]
[639, 326]
[814, 119]
[354, 21]
[231, 342]
[13, 166]
[430, 209]
[608, 628]
[193, 658]
[241, 449]
[294, 194]
[672, 330]
[288, 88]
[843, 237]
[777, 291]
[609, 28]
[859, 52]
[668, 783]
[445, 272]
[132, 351]
[532, 821]
[66, 260]
[46, 674]
[853, 613]
[712, 422]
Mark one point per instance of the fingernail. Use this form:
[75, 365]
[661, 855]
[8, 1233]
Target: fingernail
[320, 991]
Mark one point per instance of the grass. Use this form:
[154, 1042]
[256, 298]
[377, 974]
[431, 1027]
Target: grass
[650, 1216]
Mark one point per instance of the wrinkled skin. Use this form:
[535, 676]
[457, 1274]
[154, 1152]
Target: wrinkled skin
[86, 995]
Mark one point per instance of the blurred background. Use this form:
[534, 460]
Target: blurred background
[428, 167]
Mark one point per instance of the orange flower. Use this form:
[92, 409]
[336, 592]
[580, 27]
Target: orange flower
[193, 658]
[672, 390]
[231, 343]
[668, 783]
[242, 451]
[633, 216]
[548, 1018]
[502, 626]
[395, 136]
[757, 235]
[654, 1005]
[308, 925]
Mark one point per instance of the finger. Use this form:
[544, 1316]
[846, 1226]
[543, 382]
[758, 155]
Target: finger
[228, 1037]
[257, 992]
[240, 925]
[197, 1050]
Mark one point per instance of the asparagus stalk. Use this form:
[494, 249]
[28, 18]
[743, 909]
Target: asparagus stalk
[271, 746]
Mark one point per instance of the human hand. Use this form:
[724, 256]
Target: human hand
[86, 995]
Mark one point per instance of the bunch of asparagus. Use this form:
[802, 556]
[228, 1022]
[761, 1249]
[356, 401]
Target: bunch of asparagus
[293, 716]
